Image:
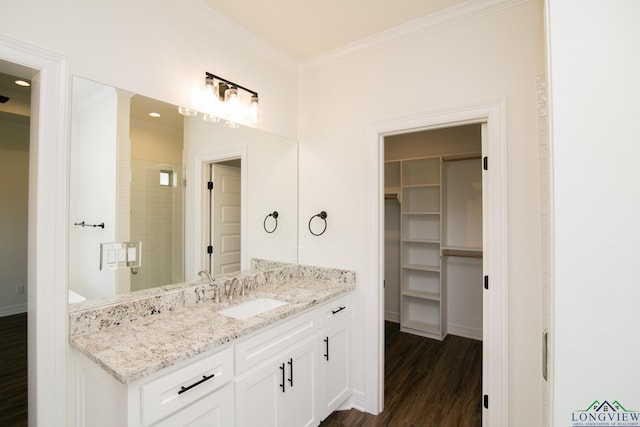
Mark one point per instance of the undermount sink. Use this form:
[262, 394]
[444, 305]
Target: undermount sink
[251, 308]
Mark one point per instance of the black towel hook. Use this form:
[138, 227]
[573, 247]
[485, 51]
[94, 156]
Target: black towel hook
[274, 214]
[323, 216]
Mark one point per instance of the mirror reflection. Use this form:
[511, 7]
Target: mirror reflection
[193, 193]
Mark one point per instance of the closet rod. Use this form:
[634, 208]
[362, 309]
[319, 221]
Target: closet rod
[393, 196]
[462, 255]
[457, 159]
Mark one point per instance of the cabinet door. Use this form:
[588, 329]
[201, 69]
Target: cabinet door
[213, 410]
[281, 392]
[257, 394]
[300, 400]
[334, 367]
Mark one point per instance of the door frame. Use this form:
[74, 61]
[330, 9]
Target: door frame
[495, 246]
[47, 290]
[196, 195]
[213, 203]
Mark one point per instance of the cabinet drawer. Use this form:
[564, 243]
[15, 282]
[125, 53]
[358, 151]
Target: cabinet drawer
[267, 344]
[180, 388]
[334, 311]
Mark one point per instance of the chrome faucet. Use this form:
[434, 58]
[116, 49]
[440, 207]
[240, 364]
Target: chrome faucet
[216, 290]
[206, 274]
[235, 282]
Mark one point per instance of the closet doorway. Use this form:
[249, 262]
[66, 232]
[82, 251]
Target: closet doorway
[433, 279]
[492, 117]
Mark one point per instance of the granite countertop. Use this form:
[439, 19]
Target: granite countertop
[132, 350]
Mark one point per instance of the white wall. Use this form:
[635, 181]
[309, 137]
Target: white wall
[92, 191]
[594, 69]
[14, 184]
[491, 56]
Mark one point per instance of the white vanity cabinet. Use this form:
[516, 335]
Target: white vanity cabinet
[335, 372]
[198, 393]
[291, 374]
[276, 376]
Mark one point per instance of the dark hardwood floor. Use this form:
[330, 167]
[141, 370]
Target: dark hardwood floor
[13, 371]
[427, 383]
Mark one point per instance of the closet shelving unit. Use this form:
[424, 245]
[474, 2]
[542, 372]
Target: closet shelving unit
[423, 291]
[417, 182]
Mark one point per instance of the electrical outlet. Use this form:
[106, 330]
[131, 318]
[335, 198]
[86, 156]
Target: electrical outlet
[19, 289]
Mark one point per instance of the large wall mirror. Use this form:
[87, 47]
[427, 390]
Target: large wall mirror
[196, 194]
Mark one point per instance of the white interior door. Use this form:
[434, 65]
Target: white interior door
[225, 219]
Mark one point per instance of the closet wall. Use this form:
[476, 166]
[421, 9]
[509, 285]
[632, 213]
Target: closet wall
[460, 303]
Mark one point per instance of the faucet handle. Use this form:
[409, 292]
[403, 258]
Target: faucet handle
[216, 293]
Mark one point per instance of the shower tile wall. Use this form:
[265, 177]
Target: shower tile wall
[156, 220]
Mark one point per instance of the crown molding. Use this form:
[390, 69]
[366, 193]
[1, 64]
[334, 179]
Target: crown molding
[469, 10]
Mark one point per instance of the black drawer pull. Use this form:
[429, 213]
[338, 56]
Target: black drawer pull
[204, 378]
[338, 310]
[290, 363]
[283, 381]
[326, 355]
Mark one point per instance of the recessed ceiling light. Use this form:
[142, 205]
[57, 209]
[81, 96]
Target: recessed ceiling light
[154, 114]
[22, 83]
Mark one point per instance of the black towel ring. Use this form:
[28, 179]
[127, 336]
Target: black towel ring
[323, 216]
[274, 214]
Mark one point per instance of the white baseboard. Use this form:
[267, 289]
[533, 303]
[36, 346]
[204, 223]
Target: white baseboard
[392, 316]
[358, 401]
[13, 309]
[465, 331]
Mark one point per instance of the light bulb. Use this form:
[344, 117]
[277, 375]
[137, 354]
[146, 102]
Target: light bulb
[186, 111]
[254, 109]
[232, 104]
[210, 118]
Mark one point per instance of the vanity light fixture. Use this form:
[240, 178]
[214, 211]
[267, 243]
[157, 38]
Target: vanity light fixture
[187, 111]
[225, 100]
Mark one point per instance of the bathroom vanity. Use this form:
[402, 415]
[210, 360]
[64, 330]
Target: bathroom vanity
[171, 358]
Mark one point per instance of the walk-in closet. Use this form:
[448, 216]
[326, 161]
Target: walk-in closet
[433, 232]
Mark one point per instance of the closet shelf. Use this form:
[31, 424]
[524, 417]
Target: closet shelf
[435, 268]
[421, 213]
[461, 157]
[420, 185]
[428, 241]
[422, 295]
[461, 251]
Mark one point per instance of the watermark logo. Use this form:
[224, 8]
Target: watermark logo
[605, 414]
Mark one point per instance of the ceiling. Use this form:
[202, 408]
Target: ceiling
[305, 28]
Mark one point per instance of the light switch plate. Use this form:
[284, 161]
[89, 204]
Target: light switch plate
[120, 254]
